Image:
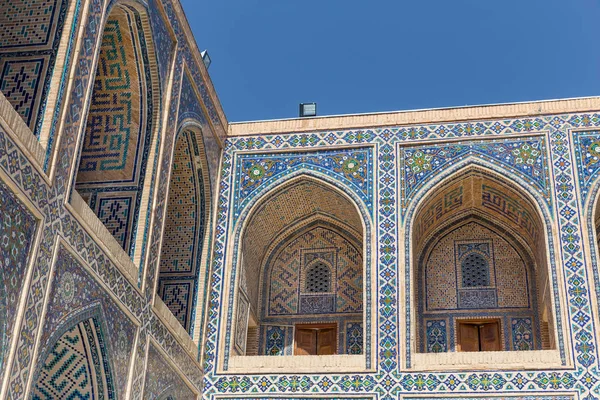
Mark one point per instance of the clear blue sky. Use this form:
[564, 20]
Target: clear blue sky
[354, 56]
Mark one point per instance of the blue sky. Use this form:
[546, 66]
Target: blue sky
[373, 55]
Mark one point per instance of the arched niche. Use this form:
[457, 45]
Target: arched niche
[32, 35]
[119, 139]
[76, 365]
[292, 228]
[480, 268]
[183, 254]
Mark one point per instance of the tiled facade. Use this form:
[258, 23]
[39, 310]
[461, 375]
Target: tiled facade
[184, 232]
[505, 290]
[89, 286]
[30, 36]
[114, 153]
[286, 299]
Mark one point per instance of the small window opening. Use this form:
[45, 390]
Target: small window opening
[318, 279]
[475, 271]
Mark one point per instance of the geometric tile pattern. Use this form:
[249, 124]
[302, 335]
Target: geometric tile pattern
[26, 23]
[192, 112]
[295, 257]
[507, 292]
[116, 142]
[352, 167]
[77, 367]
[286, 284]
[19, 81]
[17, 233]
[30, 32]
[390, 381]
[163, 40]
[437, 336]
[241, 323]
[354, 338]
[183, 212]
[587, 158]
[115, 214]
[162, 382]
[50, 197]
[177, 296]
[526, 156]
[115, 124]
[300, 201]
[76, 296]
[185, 227]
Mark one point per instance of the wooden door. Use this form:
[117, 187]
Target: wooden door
[468, 339]
[315, 339]
[306, 342]
[479, 336]
[489, 337]
[326, 341]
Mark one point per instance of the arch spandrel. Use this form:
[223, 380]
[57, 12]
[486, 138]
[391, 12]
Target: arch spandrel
[352, 168]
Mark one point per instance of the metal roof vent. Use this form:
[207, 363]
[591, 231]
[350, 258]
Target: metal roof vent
[308, 110]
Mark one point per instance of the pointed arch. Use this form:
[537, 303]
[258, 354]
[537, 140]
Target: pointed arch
[302, 189]
[121, 134]
[183, 269]
[76, 362]
[356, 209]
[474, 192]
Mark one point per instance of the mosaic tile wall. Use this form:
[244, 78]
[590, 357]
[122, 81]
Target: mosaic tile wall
[75, 296]
[30, 34]
[114, 156]
[560, 174]
[17, 234]
[506, 290]
[551, 158]
[287, 301]
[77, 366]
[48, 190]
[184, 232]
[162, 382]
[285, 272]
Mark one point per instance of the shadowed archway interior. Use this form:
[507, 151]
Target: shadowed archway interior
[117, 139]
[480, 268]
[301, 269]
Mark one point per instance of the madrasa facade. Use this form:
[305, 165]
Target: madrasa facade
[151, 249]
